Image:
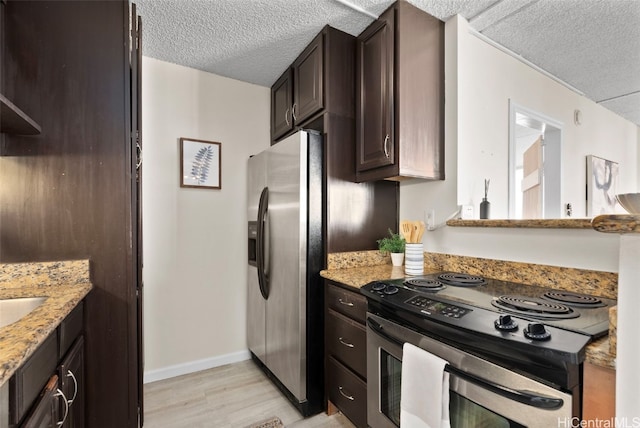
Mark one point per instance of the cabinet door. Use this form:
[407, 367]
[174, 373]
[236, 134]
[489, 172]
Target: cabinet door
[374, 102]
[308, 81]
[71, 373]
[25, 386]
[281, 97]
[45, 412]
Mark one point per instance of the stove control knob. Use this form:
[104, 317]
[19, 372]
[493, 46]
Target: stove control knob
[378, 286]
[390, 289]
[505, 323]
[536, 331]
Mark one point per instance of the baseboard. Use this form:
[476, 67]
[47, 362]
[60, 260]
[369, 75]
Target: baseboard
[195, 366]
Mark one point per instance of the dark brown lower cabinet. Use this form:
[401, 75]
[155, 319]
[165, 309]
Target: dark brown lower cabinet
[27, 383]
[48, 390]
[347, 341]
[72, 376]
[45, 412]
[61, 403]
[346, 352]
[347, 392]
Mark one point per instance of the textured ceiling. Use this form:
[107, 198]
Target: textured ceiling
[593, 45]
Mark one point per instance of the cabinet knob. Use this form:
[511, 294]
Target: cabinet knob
[286, 117]
[386, 145]
[293, 111]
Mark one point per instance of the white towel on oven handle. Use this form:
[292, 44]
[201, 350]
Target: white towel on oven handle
[424, 399]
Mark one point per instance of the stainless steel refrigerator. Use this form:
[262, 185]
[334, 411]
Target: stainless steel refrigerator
[285, 255]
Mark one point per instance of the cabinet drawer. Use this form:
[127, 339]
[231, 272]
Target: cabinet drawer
[347, 341]
[349, 303]
[27, 383]
[70, 328]
[348, 392]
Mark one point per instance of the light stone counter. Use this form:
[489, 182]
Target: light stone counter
[617, 223]
[64, 284]
[561, 223]
[343, 268]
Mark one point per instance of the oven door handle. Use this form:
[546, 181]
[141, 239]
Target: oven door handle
[375, 326]
[524, 397]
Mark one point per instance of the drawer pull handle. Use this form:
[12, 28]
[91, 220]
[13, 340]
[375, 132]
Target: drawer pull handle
[342, 302]
[66, 406]
[348, 345]
[75, 389]
[386, 146]
[348, 397]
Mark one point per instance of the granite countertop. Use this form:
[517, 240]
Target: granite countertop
[606, 223]
[597, 352]
[560, 223]
[64, 284]
[617, 223]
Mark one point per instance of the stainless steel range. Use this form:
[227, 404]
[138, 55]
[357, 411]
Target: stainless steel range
[515, 351]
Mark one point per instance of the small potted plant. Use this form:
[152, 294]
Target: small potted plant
[393, 244]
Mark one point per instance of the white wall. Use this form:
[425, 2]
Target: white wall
[487, 79]
[194, 239]
[585, 249]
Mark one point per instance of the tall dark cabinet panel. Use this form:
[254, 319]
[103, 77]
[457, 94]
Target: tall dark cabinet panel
[70, 192]
[357, 213]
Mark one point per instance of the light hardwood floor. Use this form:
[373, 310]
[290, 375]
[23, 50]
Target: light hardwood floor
[235, 396]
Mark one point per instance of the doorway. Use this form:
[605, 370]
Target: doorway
[535, 173]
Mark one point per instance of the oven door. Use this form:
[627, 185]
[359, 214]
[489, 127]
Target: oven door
[482, 394]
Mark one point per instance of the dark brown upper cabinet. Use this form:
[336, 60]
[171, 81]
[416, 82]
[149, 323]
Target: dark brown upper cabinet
[308, 96]
[319, 80]
[297, 94]
[400, 96]
[281, 105]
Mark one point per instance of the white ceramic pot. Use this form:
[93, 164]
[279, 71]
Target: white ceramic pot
[397, 258]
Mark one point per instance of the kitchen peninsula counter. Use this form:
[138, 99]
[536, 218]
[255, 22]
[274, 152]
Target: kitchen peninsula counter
[617, 223]
[343, 270]
[64, 284]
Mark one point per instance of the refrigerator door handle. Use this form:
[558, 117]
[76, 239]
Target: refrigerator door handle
[262, 256]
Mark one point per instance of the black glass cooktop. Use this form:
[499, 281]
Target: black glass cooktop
[577, 312]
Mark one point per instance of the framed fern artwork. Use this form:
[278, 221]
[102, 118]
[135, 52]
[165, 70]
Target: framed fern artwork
[200, 163]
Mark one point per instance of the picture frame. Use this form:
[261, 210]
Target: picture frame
[200, 164]
[602, 181]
